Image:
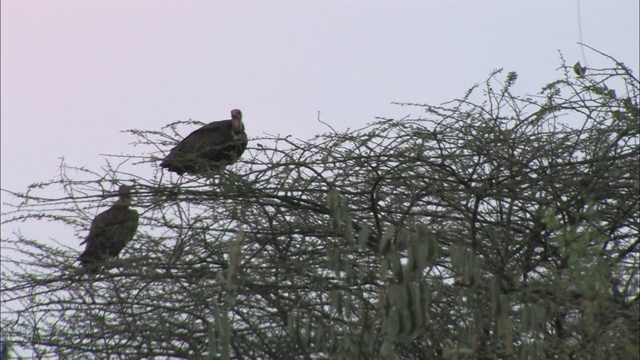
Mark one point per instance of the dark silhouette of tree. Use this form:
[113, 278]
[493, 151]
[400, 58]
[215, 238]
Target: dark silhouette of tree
[492, 226]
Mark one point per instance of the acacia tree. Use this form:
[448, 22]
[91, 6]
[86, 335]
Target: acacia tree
[495, 226]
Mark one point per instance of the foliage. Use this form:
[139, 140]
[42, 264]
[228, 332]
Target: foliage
[504, 227]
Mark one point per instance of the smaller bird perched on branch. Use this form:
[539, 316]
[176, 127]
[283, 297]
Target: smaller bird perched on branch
[580, 70]
[110, 232]
[211, 147]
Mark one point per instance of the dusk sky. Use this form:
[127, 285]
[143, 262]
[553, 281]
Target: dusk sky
[75, 73]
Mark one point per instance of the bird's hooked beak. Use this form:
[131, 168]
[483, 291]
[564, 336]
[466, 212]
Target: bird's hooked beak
[236, 125]
[236, 121]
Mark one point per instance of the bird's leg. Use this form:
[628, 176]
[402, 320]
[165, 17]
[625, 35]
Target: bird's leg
[224, 182]
[220, 173]
[215, 175]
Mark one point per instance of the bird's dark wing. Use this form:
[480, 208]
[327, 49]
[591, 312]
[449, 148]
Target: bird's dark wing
[109, 233]
[208, 138]
[211, 145]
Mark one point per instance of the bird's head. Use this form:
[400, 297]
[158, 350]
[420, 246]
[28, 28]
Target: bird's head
[125, 195]
[236, 120]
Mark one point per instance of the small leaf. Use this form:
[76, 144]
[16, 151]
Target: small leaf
[385, 241]
[363, 237]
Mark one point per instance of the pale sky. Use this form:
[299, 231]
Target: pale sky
[77, 72]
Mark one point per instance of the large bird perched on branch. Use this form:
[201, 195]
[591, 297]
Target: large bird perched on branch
[211, 147]
[110, 231]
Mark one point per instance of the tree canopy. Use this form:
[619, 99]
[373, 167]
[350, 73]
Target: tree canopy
[496, 225]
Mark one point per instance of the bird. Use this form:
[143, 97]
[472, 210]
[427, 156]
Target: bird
[110, 232]
[209, 148]
[580, 70]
